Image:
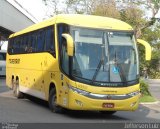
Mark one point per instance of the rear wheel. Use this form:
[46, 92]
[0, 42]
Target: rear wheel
[12, 83]
[53, 102]
[16, 90]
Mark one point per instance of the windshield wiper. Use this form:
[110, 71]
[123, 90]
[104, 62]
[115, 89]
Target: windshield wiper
[121, 72]
[97, 70]
[101, 60]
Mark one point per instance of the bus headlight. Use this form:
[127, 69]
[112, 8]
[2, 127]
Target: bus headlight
[79, 91]
[132, 94]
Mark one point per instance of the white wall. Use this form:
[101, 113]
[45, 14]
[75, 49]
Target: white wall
[5, 45]
[11, 18]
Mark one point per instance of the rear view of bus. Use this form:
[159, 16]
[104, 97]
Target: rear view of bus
[2, 63]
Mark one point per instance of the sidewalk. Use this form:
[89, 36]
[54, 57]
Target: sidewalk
[154, 81]
[154, 87]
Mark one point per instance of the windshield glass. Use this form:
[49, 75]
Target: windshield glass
[104, 56]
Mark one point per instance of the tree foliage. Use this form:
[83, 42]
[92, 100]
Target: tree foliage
[134, 12]
[106, 8]
[52, 7]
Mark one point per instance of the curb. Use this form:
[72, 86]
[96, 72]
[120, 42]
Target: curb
[150, 103]
[156, 81]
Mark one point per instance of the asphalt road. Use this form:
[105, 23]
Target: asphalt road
[33, 111]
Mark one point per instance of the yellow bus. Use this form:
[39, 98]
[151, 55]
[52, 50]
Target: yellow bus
[77, 62]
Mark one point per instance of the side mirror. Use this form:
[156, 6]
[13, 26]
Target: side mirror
[148, 49]
[70, 44]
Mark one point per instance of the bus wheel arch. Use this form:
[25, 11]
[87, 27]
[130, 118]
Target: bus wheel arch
[52, 98]
[51, 86]
[12, 82]
[16, 91]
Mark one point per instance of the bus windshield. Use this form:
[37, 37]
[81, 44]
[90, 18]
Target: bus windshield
[104, 56]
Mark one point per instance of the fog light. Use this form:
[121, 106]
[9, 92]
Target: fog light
[79, 103]
[133, 104]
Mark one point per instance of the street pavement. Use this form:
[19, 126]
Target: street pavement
[3, 86]
[36, 111]
[154, 87]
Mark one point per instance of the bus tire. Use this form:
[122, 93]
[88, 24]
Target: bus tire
[16, 91]
[52, 102]
[12, 84]
[108, 112]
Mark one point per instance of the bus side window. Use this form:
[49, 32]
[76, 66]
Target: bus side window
[40, 41]
[64, 57]
[62, 28]
[49, 38]
[28, 44]
[25, 40]
[34, 42]
[23, 44]
[10, 46]
[16, 45]
[20, 44]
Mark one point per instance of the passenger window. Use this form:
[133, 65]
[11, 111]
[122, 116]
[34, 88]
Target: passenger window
[25, 41]
[20, 45]
[49, 38]
[62, 28]
[64, 57]
[16, 45]
[10, 46]
[34, 42]
[40, 41]
[29, 44]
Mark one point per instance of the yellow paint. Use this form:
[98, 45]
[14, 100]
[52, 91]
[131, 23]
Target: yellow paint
[37, 71]
[88, 21]
[148, 49]
[70, 45]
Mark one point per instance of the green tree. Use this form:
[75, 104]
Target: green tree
[153, 35]
[132, 12]
[106, 8]
[52, 7]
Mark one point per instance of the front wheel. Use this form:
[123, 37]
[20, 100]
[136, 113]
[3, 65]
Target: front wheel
[53, 102]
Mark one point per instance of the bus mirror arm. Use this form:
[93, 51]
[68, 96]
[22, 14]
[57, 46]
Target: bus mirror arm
[70, 44]
[148, 49]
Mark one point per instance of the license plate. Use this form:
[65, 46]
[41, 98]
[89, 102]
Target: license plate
[108, 105]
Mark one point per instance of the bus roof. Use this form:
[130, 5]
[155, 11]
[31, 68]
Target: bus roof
[89, 21]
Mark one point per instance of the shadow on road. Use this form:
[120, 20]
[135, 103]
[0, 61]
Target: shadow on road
[93, 115]
[142, 114]
[37, 101]
[37, 110]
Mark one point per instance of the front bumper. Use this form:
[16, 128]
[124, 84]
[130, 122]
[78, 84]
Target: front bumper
[80, 102]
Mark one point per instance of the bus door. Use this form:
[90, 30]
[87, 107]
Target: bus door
[64, 62]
